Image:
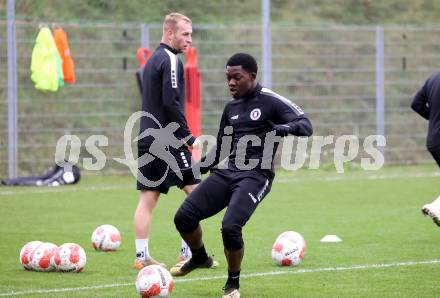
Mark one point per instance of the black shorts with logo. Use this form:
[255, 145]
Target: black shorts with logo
[240, 191]
[158, 175]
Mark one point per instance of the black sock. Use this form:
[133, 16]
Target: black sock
[199, 255]
[233, 280]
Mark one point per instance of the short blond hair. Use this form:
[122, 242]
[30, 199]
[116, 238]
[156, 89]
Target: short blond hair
[171, 20]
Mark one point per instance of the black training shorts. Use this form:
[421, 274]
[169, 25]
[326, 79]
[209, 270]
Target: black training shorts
[240, 191]
[159, 176]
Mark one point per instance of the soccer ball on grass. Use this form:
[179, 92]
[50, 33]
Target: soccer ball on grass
[25, 253]
[106, 238]
[42, 257]
[70, 257]
[154, 281]
[289, 249]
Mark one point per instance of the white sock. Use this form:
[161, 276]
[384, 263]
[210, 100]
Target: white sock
[186, 251]
[142, 249]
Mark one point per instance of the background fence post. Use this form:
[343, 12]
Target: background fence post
[145, 36]
[12, 91]
[266, 44]
[380, 89]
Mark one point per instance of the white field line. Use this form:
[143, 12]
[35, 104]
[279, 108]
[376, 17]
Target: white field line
[340, 177]
[250, 275]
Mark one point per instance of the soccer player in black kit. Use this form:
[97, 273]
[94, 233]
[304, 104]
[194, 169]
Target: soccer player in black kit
[163, 97]
[253, 122]
[427, 104]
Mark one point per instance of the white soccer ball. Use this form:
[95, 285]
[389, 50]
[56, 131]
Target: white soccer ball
[106, 238]
[25, 253]
[154, 281]
[289, 249]
[42, 257]
[70, 257]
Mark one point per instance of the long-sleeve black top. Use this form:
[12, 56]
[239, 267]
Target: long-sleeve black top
[163, 93]
[255, 114]
[427, 103]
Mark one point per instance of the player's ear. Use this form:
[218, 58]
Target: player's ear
[253, 75]
[169, 33]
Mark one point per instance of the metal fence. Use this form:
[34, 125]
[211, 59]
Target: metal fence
[334, 73]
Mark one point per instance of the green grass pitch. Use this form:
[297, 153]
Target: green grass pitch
[388, 250]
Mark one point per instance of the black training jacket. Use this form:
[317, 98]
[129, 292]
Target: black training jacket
[255, 115]
[427, 103]
[163, 93]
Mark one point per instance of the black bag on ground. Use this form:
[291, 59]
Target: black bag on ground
[61, 174]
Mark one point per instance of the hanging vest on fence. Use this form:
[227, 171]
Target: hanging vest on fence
[46, 62]
[62, 44]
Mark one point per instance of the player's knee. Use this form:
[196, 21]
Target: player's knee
[185, 223]
[232, 237]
